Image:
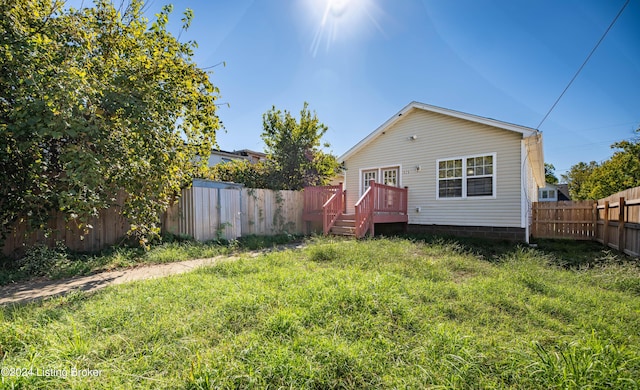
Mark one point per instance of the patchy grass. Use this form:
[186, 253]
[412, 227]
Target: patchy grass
[382, 313]
[58, 262]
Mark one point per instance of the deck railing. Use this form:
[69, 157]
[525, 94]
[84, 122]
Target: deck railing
[380, 203]
[388, 199]
[316, 197]
[364, 212]
[379, 199]
[331, 210]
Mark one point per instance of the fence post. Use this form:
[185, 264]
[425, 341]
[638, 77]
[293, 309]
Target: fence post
[605, 227]
[594, 228]
[621, 243]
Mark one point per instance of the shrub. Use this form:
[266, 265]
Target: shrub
[40, 260]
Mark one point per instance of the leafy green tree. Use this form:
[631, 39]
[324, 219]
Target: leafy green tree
[577, 180]
[550, 174]
[618, 173]
[294, 150]
[96, 103]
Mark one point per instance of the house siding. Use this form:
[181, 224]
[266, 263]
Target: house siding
[441, 137]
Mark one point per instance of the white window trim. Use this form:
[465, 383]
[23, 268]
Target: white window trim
[464, 177]
[363, 183]
[378, 175]
[552, 194]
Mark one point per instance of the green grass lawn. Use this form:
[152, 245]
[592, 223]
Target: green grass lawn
[382, 313]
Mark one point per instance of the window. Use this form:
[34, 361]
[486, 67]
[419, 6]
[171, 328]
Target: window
[450, 179]
[480, 176]
[367, 176]
[466, 177]
[547, 194]
[389, 176]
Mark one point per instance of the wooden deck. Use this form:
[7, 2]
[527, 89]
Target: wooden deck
[379, 204]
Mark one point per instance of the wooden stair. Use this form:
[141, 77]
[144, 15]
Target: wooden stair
[345, 225]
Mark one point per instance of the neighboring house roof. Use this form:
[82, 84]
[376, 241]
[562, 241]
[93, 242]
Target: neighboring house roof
[533, 137]
[250, 153]
[225, 153]
[563, 192]
[243, 154]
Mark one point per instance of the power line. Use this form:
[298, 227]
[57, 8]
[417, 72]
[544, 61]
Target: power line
[223, 63]
[591, 143]
[583, 64]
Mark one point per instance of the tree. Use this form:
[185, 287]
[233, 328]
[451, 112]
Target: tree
[293, 150]
[618, 173]
[550, 174]
[95, 103]
[577, 179]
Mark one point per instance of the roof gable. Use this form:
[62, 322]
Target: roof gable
[525, 131]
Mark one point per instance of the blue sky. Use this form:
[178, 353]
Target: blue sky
[358, 62]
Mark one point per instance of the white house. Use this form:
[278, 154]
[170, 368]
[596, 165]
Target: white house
[465, 174]
[553, 193]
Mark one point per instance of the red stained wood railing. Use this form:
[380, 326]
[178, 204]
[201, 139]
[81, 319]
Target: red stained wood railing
[331, 210]
[379, 201]
[364, 211]
[316, 197]
[390, 199]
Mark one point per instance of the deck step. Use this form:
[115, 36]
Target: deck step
[344, 230]
[345, 225]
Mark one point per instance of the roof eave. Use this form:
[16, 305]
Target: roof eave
[525, 131]
[374, 134]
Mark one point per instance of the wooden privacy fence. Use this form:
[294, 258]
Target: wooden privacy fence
[613, 221]
[565, 219]
[106, 229]
[202, 212]
[619, 221]
[214, 213]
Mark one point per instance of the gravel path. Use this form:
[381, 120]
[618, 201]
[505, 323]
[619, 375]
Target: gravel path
[33, 290]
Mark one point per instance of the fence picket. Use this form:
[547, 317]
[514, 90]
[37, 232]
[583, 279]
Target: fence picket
[203, 213]
[613, 221]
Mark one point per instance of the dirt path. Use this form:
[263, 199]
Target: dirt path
[32, 290]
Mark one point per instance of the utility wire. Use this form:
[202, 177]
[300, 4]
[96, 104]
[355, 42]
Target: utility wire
[583, 64]
[223, 63]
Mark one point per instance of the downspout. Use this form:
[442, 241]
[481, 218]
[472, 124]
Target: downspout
[534, 139]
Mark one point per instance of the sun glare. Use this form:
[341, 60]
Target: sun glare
[335, 20]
